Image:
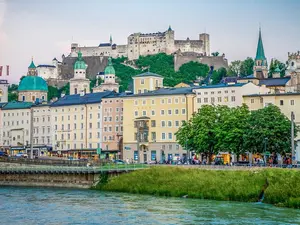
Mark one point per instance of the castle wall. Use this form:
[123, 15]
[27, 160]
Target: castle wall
[216, 61]
[189, 46]
[47, 72]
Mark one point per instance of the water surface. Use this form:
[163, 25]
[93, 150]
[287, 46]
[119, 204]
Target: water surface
[67, 206]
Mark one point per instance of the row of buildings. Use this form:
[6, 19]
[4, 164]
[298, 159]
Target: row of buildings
[138, 125]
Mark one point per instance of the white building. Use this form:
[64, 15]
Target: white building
[16, 120]
[225, 94]
[42, 132]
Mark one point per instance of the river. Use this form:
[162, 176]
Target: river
[30, 206]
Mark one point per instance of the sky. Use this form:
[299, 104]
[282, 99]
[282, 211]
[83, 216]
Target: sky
[44, 29]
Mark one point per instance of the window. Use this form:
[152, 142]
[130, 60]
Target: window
[90, 145]
[152, 112]
[169, 123]
[135, 102]
[170, 135]
[55, 127]
[105, 129]
[142, 81]
[261, 100]
[62, 118]
[183, 100]
[177, 123]
[98, 134]
[162, 101]
[91, 115]
[252, 100]
[74, 136]
[198, 100]
[219, 99]
[176, 100]
[163, 123]
[117, 128]
[152, 102]
[183, 111]
[105, 118]
[281, 102]
[170, 147]
[81, 125]
[62, 127]
[163, 136]
[109, 129]
[91, 125]
[205, 100]
[226, 92]
[153, 123]
[212, 92]
[205, 93]
[139, 91]
[162, 112]
[68, 117]
[176, 111]
[212, 99]
[144, 113]
[74, 126]
[226, 99]
[177, 147]
[292, 102]
[69, 127]
[170, 111]
[169, 101]
[110, 118]
[233, 98]
[69, 136]
[232, 91]
[136, 113]
[90, 135]
[98, 125]
[144, 102]
[153, 136]
[219, 92]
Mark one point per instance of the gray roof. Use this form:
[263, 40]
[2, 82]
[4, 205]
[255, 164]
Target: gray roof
[148, 74]
[166, 91]
[81, 100]
[222, 85]
[274, 81]
[274, 94]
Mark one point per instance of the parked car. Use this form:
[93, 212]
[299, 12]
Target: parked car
[21, 155]
[3, 154]
[118, 161]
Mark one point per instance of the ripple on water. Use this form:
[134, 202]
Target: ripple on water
[68, 206]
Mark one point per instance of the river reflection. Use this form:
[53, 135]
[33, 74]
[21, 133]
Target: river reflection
[68, 206]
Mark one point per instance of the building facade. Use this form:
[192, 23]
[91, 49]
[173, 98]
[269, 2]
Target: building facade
[4, 91]
[146, 82]
[112, 126]
[76, 124]
[225, 94]
[16, 126]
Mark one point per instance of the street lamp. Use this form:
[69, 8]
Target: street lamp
[265, 150]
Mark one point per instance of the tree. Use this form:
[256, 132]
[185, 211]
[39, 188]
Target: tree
[218, 75]
[273, 65]
[192, 70]
[271, 127]
[215, 54]
[12, 96]
[231, 132]
[52, 92]
[234, 68]
[246, 67]
[200, 131]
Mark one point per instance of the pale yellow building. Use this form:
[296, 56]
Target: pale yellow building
[154, 116]
[145, 82]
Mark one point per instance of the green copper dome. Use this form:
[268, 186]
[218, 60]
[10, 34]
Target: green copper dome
[33, 83]
[109, 69]
[79, 64]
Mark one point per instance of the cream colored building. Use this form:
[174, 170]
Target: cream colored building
[146, 82]
[287, 102]
[76, 123]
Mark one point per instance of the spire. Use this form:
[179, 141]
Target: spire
[79, 55]
[260, 53]
[169, 29]
[110, 39]
[32, 66]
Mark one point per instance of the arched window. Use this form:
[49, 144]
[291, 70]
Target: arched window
[43, 97]
[33, 98]
[23, 98]
[85, 91]
[75, 91]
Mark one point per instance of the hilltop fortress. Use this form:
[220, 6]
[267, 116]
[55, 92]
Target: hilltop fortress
[139, 44]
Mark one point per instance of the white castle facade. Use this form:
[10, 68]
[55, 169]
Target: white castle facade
[139, 44]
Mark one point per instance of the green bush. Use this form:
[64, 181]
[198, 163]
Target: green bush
[239, 185]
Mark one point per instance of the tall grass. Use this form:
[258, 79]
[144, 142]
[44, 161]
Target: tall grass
[245, 186]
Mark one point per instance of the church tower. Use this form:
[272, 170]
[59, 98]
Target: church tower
[260, 66]
[32, 71]
[79, 83]
[109, 83]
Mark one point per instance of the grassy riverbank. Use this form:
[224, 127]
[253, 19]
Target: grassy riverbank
[225, 185]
